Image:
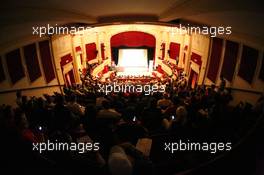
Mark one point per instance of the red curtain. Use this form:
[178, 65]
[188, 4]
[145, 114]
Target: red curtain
[174, 51]
[215, 59]
[91, 51]
[133, 39]
[78, 49]
[163, 51]
[230, 60]
[105, 70]
[45, 56]
[32, 63]
[14, 66]
[2, 73]
[103, 51]
[159, 69]
[66, 59]
[196, 58]
[248, 63]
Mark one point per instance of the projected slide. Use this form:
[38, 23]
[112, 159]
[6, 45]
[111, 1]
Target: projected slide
[133, 58]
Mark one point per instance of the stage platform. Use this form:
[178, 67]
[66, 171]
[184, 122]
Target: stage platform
[133, 71]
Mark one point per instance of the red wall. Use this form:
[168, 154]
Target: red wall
[91, 51]
[174, 50]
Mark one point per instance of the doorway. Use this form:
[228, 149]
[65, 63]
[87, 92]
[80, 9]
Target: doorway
[193, 79]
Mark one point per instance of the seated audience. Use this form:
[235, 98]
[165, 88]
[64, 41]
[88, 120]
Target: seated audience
[164, 102]
[107, 112]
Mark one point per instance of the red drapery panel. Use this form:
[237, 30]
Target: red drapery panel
[32, 63]
[91, 51]
[230, 60]
[2, 73]
[196, 58]
[215, 59]
[133, 39]
[159, 69]
[105, 70]
[65, 59]
[103, 51]
[174, 50]
[162, 51]
[261, 74]
[78, 49]
[248, 63]
[45, 56]
[14, 66]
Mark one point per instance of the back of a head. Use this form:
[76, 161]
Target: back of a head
[118, 162]
[20, 119]
[130, 113]
[90, 111]
[166, 96]
[72, 98]
[18, 94]
[153, 103]
[181, 113]
[106, 104]
[176, 100]
[59, 99]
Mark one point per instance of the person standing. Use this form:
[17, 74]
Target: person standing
[222, 84]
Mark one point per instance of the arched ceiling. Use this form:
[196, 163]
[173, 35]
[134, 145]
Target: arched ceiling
[244, 16]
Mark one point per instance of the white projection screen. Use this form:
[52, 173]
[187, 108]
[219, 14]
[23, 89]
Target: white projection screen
[133, 58]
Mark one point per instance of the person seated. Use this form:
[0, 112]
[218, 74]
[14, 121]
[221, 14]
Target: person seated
[89, 119]
[164, 102]
[49, 101]
[118, 162]
[19, 98]
[99, 101]
[152, 117]
[259, 106]
[22, 127]
[169, 111]
[75, 107]
[62, 116]
[107, 112]
[129, 128]
[178, 122]
[222, 84]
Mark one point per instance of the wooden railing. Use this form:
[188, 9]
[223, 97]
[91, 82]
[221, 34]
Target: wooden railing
[28, 89]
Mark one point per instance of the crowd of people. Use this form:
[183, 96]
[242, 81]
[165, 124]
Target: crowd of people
[116, 121]
[175, 69]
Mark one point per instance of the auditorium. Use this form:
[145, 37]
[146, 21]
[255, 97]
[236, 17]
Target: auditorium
[112, 87]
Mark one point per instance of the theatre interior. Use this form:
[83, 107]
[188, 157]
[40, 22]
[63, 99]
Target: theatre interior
[139, 87]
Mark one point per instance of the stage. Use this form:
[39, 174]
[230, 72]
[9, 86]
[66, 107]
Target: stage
[133, 71]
